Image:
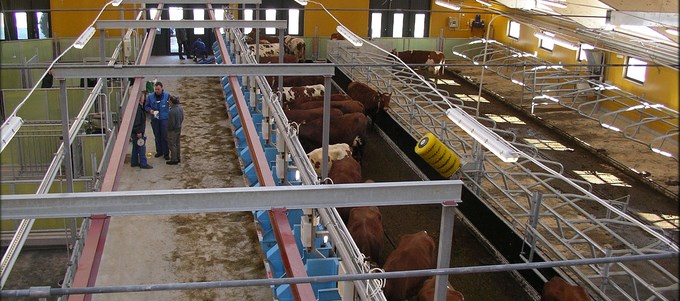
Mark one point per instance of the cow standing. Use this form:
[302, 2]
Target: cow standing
[348, 128]
[266, 50]
[346, 106]
[366, 228]
[435, 59]
[335, 152]
[559, 290]
[414, 252]
[373, 101]
[295, 46]
[292, 93]
[295, 81]
[302, 116]
[344, 171]
[427, 292]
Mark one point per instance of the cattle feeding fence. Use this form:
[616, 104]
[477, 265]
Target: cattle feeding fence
[557, 217]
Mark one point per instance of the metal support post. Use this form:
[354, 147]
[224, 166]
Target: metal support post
[65, 134]
[536, 199]
[326, 126]
[605, 270]
[281, 54]
[102, 47]
[444, 255]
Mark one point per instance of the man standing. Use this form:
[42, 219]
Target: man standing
[157, 106]
[182, 42]
[175, 119]
[138, 157]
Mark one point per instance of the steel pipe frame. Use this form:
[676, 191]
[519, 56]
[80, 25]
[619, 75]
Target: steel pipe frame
[45, 291]
[215, 24]
[655, 114]
[120, 71]
[491, 166]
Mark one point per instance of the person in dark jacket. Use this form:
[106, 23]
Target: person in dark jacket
[138, 157]
[157, 106]
[48, 80]
[175, 119]
[182, 43]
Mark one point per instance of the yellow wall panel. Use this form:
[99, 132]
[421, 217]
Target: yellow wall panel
[71, 17]
[352, 13]
[439, 19]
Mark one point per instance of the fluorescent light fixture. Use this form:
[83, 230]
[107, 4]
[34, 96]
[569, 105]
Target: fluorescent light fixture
[302, 2]
[116, 2]
[556, 41]
[84, 37]
[558, 4]
[501, 148]
[349, 36]
[660, 152]
[446, 4]
[673, 32]
[9, 129]
[483, 2]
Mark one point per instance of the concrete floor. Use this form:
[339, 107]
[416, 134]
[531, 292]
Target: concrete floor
[189, 247]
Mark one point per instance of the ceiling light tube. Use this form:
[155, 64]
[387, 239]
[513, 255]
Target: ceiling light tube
[9, 129]
[557, 41]
[116, 2]
[84, 37]
[557, 4]
[672, 31]
[302, 2]
[446, 4]
[349, 36]
[499, 147]
[483, 2]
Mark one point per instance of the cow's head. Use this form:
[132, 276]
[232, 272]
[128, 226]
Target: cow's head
[384, 101]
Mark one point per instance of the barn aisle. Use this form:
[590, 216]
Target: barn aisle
[187, 247]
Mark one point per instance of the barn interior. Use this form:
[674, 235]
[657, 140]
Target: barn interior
[529, 139]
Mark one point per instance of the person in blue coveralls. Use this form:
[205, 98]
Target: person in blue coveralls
[198, 48]
[157, 106]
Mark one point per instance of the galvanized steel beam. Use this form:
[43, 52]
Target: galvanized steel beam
[195, 1]
[115, 24]
[229, 199]
[120, 71]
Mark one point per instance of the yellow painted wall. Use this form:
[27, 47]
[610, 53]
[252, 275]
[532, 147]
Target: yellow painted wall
[439, 19]
[73, 22]
[352, 13]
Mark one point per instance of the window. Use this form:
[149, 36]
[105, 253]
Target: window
[294, 21]
[43, 25]
[2, 26]
[22, 25]
[398, 25]
[199, 14]
[376, 25]
[219, 15]
[247, 15]
[513, 30]
[419, 30]
[582, 57]
[270, 14]
[547, 44]
[176, 13]
[636, 70]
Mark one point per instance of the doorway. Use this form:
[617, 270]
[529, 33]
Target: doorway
[166, 38]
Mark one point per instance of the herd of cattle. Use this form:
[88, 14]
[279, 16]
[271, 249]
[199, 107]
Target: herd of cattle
[302, 103]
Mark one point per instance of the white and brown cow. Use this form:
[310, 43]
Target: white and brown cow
[290, 94]
[295, 46]
[266, 50]
[336, 152]
[434, 59]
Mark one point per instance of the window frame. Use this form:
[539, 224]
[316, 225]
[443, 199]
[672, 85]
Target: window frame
[510, 27]
[541, 42]
[633, 79]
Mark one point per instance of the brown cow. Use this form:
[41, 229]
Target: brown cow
[346, 106]
[304, 99]
[435, 59]
[302, 116]
[295, 81]
[373, 101]
[365, 227]
[344, 212]
[348, 128]
[295, 46]
[559, 290]
[337, 36]
[250, 38]
[292, 93]
[427, 292]
[344, 171]
[414, 252]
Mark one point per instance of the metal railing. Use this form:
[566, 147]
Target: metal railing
[532, 196]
